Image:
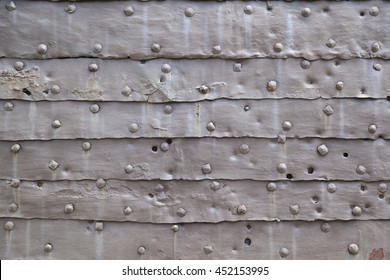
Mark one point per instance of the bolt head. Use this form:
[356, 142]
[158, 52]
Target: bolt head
[97, 48]
[282, 138]
[133, 127]
[237, 67]
[10, 6]
[278, 47]
[94, 108]
[210, 126]
[127, 211]
[168, 109]
[215, 185]
[126, 91]
[272, 86]
[375, 47]
[86, 146]
[99, 226]
[322, 150]
[361, 170]
[241, 209]
[203, 89]
[217, 49]
[282, 167]
[100, 183]
[69, 208]
[372, 128]
[42, 49]
[93, 67]
[244, 149]
[55, 89]
[129, 11]
[141, 250]
[9, 225]
[70, 9]
[8, 106]
[339, 85]
[208, 249]
[374, 11]
[331, 43]
[15, 183]
[48, 247]
[271, 187]
[19, 65]
[248, 9]
[166, 68]
[284, 252]
[328, 110]
[286, 125]
[55, 124]
[306, 12]
[206, 168]
[155, 48]
[53, 165]
[164, 146]
[294, 209]
[357, 211]
[129, 168]
[353, 249]
[325, 227]
[331, 188]
[305, 64]
[13, 207]
[175, 228]
[15, 148]
[189, 12]
[382, 187]
[181, 212]
[377, 67]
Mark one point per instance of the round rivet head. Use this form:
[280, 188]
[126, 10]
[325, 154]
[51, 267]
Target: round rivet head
[284, 252]
[189, 12]
[15, 148]
[164, 146]
[100, 183]
[19, 65]
[94, 108]
[215, 185]
[247, 108]
[306, 12]
[375, 47]
[294, 209]
[272, 85]
[8, 106]
[42, 49]
[244, 149]
[69, 208]
[128, 11]
[206, 168]
[127, 211]
[372, 128]
[203, 89]
[382, 187]
[97, 48]
[282, 167]
[248, 9]
[356, 211]
[166, 68]
[53, 165]
[271, 187]
[10, 6]
[168, 109]
[48, 247]
[377, 67]
[181, 212]
[331, 43]
[9, 225]
[86, 146]
[155, 48]
[278, 47]
[361, 170]
[217, 49]
[208, 249]
[129, 168]
[241, 209]
[133, 127]
[339, 85]
[322, 149]
[70, 9]
[159, 188]
[126, 91]
[237, 67]
[305, 64]
[55, 89]
[15, 183]
[325, 227]
[99, 226]
[286, 125]
[353, 249]
[328, 110]
[55, 124]
[282, 138]
[175, 228]
[210, 126]
[13, 207]
[374, 11]
[141, 250]
[93, 67]
[331, 188]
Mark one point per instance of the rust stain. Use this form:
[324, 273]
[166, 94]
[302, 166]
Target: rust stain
[376, 254]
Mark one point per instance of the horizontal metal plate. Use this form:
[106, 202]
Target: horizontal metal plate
[350, 119]
[204, 201]
[195, 159]
[226, 24]
[303, 240]
[127, 80]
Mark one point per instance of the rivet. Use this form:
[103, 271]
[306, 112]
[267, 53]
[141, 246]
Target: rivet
[372, 128]
[241, 209]
[248, 9]
[129, 168]
[244, 149]
[189, 12]
[141, 250]
[181, 212]
[19, 65]
[48, 247]
[15, 148]
[15, 183]
[217, 49]
[159, 188]
[127, 211]
[306, 12]
[331, 188]
[168, 109]
[86, 146]
[353, 249]
[10, 6]
[97, 48]
[286, 125]
[203, 89]
[374, 11]
[271, 187]
[155, 47]
[331, 43]
[99, 226]
[339, 85]
[356, 211]
[166, 68]
[69, 208]
[272, 85]
[42, 49]
[328, 110]
[278, 47]
[70, 9]
[94, 108]
[93, 67]
[100, 183]
[208, 249]
[206, 168]
[128, 11]
[210, 126]
[133, 127]
[361, 170]
[13, 207]
[237, 67]
[126, 91]
[247, 108]
[375, 47]
[55, 89]
[215, 185]
[284, 252]
[377, 67]
[55, 124]
[382, 187]
[9, 225]
[164, 146]
[282, 167]
[305, 64]
[8, 106]
[175, 228]
[325, 227]
[282, 138]
[294, 209]
[53, 165]
[322, 149]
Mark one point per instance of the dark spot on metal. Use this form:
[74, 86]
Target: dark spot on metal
[26, 91]
[247, 241]
[345, 155]
[154, 148]
[289, 176]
